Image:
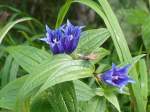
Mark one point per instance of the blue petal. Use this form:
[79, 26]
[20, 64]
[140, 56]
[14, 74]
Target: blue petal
[130, 80]
[107, 75]
[54, 48]
[69, 23]
[45, 40]
[72, 35]
[113, 67]
[48, 29]
[122, 81]
[123, 70]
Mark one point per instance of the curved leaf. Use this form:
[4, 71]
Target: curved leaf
[51, 72]
[9, 25]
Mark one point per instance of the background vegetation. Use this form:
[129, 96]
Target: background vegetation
[26, 63]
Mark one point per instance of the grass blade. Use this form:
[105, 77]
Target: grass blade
[9, 25]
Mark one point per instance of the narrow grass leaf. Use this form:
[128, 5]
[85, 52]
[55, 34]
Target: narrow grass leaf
[6, 71]
[63, 11]
[10, 25]
[13, 71]
[144, 80]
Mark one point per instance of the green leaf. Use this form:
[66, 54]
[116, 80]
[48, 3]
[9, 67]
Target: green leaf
[133, 61]
[122, 51]
[9, 25]
[146, 34]
[92, 39]
[13, 71]
[28, 57]
[96, 104]
[71, 70]
[83, 91]
[41, 104]
[104, 10]
[143, 80]
[10, 8]
[59, 98]
[8, 94]
[62, 98]
[63, 11]
[52, 72]
[112, 99]
[100, 54]
[6, 71]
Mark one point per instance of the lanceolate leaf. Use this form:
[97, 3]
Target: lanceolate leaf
[6, 71]
[59, 98]
[122, 49]
[51, 72]
[13, 71]
[63, 11]
[105, 11]
[62, 98]
[8, 94]
[9, 25]
[92, 39]
[112, 99]
[27, 56]
[143, 80]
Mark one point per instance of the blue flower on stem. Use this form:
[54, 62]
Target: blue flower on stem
[72, 36]
[64, 39]
[117, 76]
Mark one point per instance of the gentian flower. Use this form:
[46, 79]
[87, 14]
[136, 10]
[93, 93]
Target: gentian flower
[54, 38]
[64, 39]
[72, 35]
[117, 76]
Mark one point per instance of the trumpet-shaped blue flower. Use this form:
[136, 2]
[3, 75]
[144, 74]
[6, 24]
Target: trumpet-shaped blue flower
[117, 76]
[72, 35]
[64, 39]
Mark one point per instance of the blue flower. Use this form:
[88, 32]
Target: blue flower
[72, 35]
[117, 76]
[54, 38]
[64, 39]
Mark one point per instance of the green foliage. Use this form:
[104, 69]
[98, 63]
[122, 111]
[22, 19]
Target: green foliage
[63, 11]
[62, 95]
[92, 39]
[83, 91]
[146, 33]
[9, 25]
[8, 94]
[32, 79]
[30, 56]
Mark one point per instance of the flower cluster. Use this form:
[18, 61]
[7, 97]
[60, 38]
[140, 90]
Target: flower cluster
[64, 39]
[117, 76]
